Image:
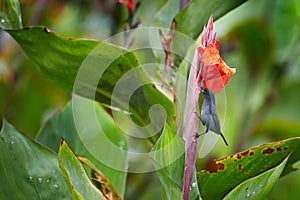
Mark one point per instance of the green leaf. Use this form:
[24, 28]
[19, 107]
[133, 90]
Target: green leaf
[283, 22]
[77, 65]
[28, 169]
[63, 124]
[168, 160]
[10, 14]
[227, 173]
[191, 20]
[165, 15]
[147, 11]
[75, 174]
[259, 186]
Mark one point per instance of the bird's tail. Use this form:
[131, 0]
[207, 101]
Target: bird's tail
[223, 137]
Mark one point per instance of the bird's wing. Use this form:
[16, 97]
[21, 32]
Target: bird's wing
[214, 121]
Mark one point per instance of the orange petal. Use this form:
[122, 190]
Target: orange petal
[215, 72]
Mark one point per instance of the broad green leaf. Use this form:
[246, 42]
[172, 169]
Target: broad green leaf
[147, 11]
[63, 124]
[180, 89]
[28, 169]
[75, 174]
[77, 65]
[10, 14]
[168, 159]
[191, 20]
[165, 15]
[259, 186]
[170, 189]
[283, 22]
[225, 174]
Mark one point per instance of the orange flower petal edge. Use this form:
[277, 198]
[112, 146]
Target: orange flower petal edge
[215, 72]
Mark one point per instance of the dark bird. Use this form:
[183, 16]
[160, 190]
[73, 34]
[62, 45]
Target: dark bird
[209, 115]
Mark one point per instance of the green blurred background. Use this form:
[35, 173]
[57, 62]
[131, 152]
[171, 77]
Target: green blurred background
[260, 38]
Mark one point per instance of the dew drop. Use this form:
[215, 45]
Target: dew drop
[30, 178]
[248, 195]
[194, 184]
[55, 186]
[126, 112]
[2, 20]
[12, 142]
[121, 145]
[47, 181]
[40, 180]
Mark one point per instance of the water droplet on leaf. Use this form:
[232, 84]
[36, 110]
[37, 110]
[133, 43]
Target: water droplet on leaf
[40, 180]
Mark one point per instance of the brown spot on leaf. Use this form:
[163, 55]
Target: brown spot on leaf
[240, 166]
[238, 156]
[285, 148]
[245, 153]
[221, 166]
[174, 117]
[214, 166]
[27, 28]
[278, 148]
[62, 141]
[251, 153]
[46, 30]
[235, 160]
[153, 86]
[268, 151]
[107, 192]
[72, 39]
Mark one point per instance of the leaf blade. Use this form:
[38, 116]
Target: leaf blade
[168, 159]
[28, 169]
[63, 124]
[198, 12]
[258, 186]
[243, 165]
[75, 174]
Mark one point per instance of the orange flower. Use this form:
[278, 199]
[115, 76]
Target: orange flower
[215, 72]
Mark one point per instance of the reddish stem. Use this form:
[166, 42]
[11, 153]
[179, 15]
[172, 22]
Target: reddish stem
[183, 4]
